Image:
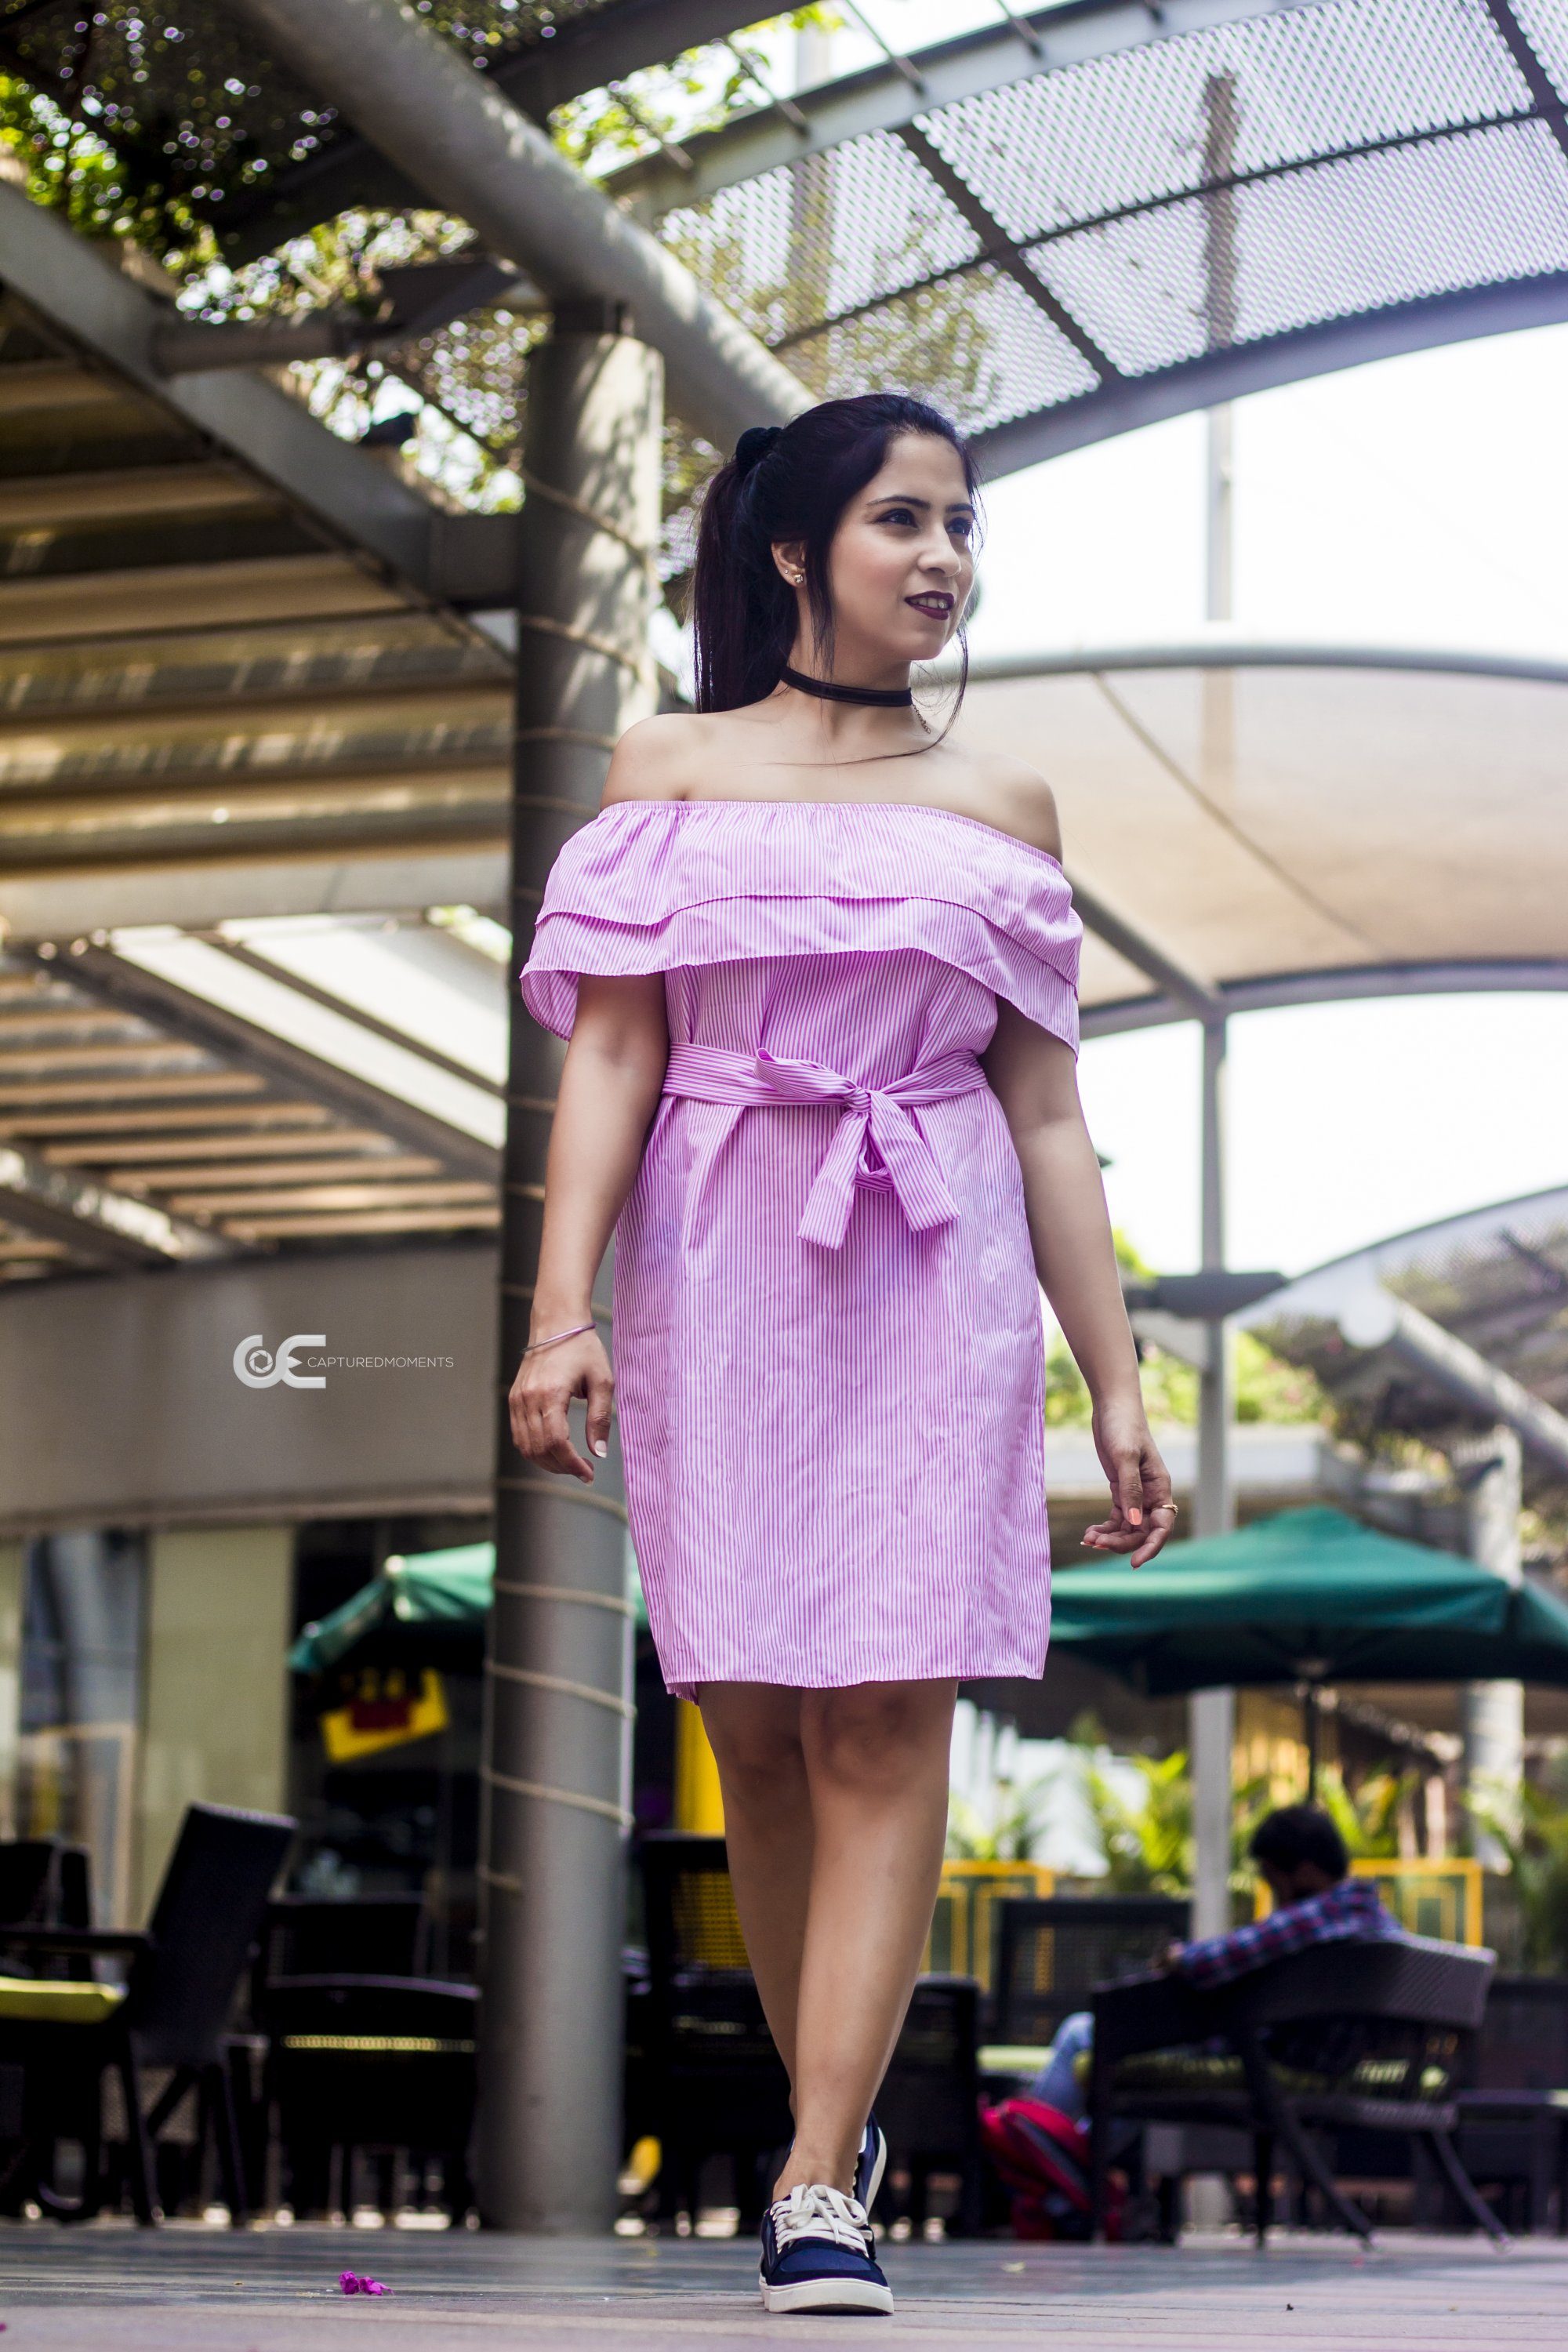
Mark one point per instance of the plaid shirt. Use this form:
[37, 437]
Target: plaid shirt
[1350, 1911]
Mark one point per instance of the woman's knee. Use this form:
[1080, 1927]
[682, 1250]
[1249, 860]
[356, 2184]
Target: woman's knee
[755, 1738]
[880, 1736]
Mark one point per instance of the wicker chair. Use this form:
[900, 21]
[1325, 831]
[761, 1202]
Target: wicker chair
[1359, 2036]
[173, 2013]
[1052, 1953]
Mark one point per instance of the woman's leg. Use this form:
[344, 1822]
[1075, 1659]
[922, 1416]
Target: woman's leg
[754, 1731]
[876, 1765]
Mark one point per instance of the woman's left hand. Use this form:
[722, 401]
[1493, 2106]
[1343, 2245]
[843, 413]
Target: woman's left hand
[1142, 1511]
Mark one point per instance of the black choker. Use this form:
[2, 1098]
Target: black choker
[881, 698]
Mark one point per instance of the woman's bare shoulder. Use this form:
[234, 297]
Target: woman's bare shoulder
[1014, 796]
[657, 758]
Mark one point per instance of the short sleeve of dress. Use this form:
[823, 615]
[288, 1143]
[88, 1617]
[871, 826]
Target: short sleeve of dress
[656, 885]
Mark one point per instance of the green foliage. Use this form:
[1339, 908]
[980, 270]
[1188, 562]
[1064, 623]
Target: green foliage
[1266, 1388]
[1367, 1817]
[1531, 1825]
[1149, 1844]
[1009, 1831]
[69, 167]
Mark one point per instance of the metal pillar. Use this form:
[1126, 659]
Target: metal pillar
[1212, 1713]
[1489, 1469]
[557, 1746]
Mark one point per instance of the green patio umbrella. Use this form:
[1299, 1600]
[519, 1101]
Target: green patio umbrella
[449, 1590]
[1308, 1597]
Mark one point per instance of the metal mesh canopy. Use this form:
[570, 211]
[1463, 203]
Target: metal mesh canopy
[1287, 824]
[1075, 221]
[1156, 208]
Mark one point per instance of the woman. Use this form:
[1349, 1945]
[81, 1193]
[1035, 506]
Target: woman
[818, 965]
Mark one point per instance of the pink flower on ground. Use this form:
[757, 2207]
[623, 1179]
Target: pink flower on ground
[352, 2283]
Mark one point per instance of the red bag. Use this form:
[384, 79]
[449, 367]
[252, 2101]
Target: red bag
[1042, 2156]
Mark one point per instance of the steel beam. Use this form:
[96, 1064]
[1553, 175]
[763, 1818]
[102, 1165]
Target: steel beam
[884, 98]
[93, 1218]
[254, 960]
[1373, 1317]
[416, 704]
[1492, 977]
[1211, 1713]
[39, 387]
[424, 783]
[96, 971]
[353, 498]
[1124, 406]
[184, 346]
[56, 501]
[582, 54]
[1197, 996]
[348, 879]
[472, 150]
[61, 607]
[1221, 650]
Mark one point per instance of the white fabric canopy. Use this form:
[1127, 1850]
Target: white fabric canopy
[1291, 822]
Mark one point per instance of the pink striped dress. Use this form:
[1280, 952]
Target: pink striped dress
[826, 1320]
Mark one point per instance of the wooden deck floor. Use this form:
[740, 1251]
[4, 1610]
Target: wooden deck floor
[111, 2289]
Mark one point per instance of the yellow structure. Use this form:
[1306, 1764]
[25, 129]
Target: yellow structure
[962, 1940]
[1431, 1898]
[387, 1711]
[698, 1802]
[1270, 1751]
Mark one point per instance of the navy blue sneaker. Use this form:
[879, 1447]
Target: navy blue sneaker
[817, 2254]
[870, 2164]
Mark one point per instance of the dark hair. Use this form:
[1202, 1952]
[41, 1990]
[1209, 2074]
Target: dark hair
[789, 482]
[1298, 1833]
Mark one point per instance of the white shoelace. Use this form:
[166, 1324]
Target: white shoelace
[818, 2211]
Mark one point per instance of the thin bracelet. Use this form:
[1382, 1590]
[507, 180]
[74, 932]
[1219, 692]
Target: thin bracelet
[558, 1335]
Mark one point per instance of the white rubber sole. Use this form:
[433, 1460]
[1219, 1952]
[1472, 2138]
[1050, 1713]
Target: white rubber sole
[826, 2295]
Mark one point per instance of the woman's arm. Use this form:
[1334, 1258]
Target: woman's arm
[610, 1085]
[1034, 1077]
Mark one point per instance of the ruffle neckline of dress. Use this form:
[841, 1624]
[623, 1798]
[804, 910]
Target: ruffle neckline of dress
[875, 808]
[656, 885]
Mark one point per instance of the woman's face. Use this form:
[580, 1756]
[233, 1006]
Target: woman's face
[901, 564]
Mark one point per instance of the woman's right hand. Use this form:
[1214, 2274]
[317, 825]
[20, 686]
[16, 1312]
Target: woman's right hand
[545, 1384]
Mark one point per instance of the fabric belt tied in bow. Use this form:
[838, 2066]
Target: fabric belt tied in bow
[710, 1073]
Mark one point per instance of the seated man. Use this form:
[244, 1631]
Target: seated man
[1301, 1857]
